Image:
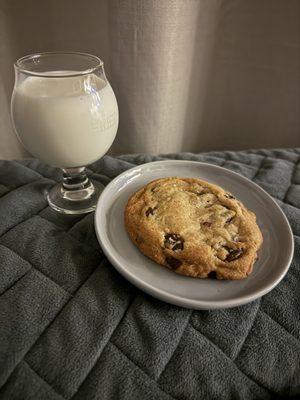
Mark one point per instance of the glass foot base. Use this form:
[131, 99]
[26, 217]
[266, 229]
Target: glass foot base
[80, 201]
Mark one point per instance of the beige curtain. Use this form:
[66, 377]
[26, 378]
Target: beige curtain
[189, 75]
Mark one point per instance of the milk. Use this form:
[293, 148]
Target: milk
[65, 121]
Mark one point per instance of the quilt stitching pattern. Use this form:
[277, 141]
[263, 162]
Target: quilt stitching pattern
[142, 371]
[292, 178]
[108, 341]
[81, 226]
[43, 379]
[171, 356]
[22, 222]
[36, 269]
[67, 232]
[225, 356]
[249, 331]
[59, 311]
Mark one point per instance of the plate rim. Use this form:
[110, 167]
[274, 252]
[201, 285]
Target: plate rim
[172, 298]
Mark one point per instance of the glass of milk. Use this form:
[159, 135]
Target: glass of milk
[65, 113]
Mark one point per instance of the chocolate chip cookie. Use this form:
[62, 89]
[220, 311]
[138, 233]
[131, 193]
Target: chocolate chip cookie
[194, 228]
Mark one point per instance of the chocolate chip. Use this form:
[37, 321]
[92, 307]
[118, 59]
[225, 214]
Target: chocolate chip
[173, 262]
[230, 219]
[212, 275]
[178, 246]
[234, 254]
[139, 240]
[207, 224]
[229, 196]
[225, 213]
[150, 211]
[173, 241]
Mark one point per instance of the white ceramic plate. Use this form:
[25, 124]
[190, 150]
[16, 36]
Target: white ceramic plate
[275, 255]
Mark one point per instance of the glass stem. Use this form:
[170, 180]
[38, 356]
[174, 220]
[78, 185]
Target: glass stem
[75, 178]
[76, 185]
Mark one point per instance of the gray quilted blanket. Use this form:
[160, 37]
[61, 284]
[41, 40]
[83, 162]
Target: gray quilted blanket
[72, 328]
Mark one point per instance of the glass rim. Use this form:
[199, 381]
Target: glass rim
[19, 68]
